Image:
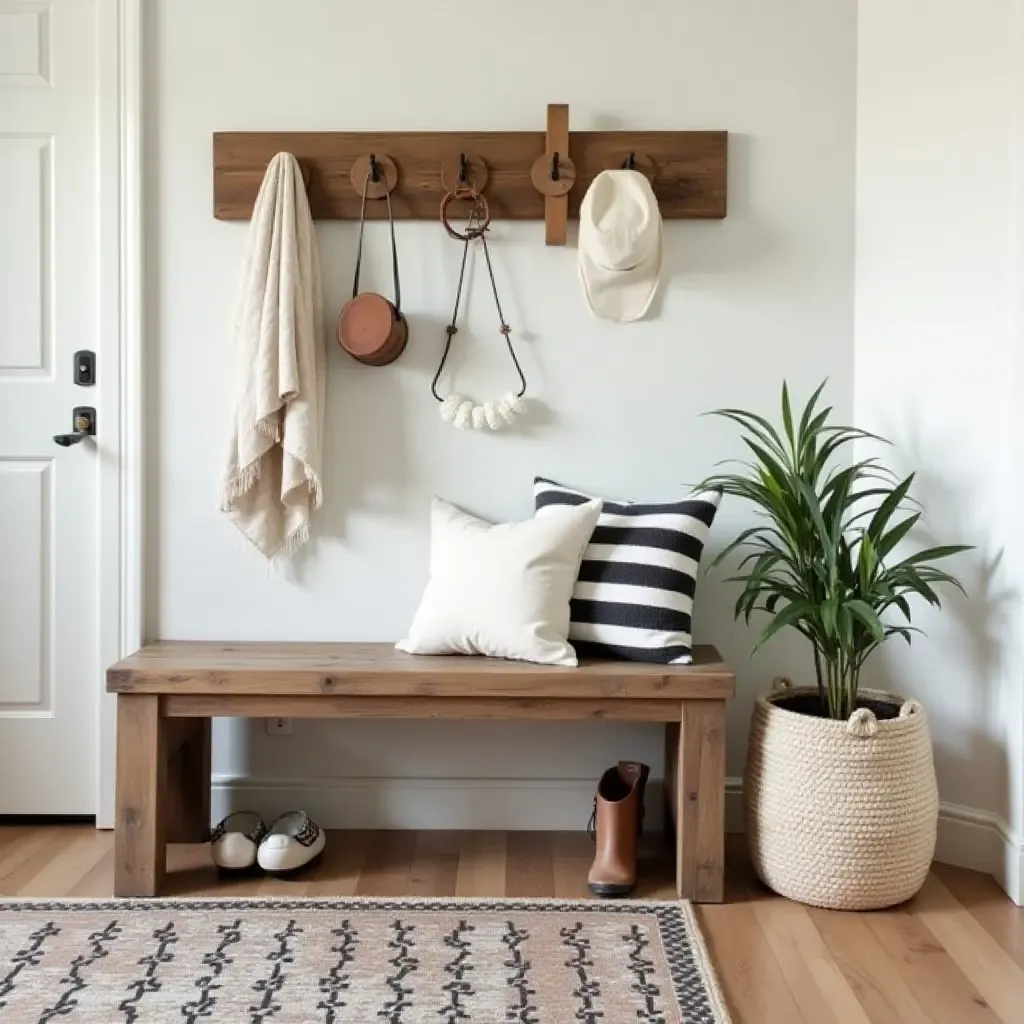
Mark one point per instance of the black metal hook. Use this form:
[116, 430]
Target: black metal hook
[463, 169]
[629, 163]
[554, 167]
[374, 169]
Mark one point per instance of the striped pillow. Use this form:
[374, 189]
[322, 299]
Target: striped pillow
[634, 594]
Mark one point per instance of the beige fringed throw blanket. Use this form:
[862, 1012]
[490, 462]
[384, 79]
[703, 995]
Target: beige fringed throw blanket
[271, 483]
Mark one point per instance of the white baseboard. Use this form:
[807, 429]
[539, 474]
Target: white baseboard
[967, 837]
[982, 841]
[417, 803]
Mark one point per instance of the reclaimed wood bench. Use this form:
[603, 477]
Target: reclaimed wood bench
[168, 692]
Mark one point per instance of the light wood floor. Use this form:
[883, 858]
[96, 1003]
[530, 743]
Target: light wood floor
[954, 955]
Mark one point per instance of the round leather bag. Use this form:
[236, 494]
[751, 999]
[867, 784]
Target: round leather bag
[372, 330]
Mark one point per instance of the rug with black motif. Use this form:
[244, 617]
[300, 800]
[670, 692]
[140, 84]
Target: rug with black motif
[397, 961]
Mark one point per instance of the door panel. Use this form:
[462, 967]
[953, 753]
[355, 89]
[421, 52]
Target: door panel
[25, 43]
[50, 677]
[24, 213]
[25, 502]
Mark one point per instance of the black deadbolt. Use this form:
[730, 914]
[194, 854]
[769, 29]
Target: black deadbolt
[85, 368]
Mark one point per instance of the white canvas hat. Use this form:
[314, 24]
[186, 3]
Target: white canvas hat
[620, 245]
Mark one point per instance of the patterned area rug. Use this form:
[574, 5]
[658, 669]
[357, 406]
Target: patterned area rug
[355, 960]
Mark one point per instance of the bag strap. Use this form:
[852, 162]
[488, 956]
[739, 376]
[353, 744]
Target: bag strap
[394, 246]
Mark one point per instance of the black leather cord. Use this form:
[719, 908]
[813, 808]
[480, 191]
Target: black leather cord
[452, 329]
[394, 247]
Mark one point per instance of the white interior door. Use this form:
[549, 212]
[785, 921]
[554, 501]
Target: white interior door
[49, 305]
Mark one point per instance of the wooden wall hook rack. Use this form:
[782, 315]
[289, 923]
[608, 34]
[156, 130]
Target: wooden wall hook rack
[687, 170]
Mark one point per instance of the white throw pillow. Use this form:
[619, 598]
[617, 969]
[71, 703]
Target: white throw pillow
[501, 590]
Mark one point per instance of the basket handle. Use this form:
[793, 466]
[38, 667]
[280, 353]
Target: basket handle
[910, 708]
[862, 724]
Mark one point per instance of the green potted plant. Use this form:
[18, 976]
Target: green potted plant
[840, 797]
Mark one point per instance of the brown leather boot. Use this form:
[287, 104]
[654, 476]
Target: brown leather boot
[616, 826]
[634, 769]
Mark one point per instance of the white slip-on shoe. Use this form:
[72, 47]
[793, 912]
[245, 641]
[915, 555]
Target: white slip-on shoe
[235, 841]
[292, 843]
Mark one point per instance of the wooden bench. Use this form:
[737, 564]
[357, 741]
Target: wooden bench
[168, 692]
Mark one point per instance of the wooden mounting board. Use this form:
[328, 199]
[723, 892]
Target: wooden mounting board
[689, 178]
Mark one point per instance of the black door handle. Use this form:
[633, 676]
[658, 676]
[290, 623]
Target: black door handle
[85, 426]
[67, 440]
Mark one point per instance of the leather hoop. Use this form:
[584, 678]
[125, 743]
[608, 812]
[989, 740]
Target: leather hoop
[480, 208]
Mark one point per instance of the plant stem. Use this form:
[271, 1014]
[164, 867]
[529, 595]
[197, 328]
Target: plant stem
[840, 679]
[833, 709]
[817, 675]
[841, 684]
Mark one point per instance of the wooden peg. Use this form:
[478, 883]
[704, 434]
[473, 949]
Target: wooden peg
[386, 175]
[554, 174]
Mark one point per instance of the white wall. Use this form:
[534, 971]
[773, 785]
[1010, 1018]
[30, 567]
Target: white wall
[940, 274]
[766, 292]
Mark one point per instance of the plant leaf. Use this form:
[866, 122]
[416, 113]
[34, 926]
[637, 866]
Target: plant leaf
[867, 562]
[844, 618]
[933, 554]
[787, 419]
[805, 419]
[887, 541]
[787, 617]
[757, 425]
[866, 614]
[888, 507]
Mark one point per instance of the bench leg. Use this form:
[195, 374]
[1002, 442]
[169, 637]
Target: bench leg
[140, 848]
[187, 811]
[699, 783]
[671, 781]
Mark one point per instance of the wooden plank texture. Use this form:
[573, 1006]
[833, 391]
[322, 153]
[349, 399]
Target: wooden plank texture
[982, 959]
[989, 906]
[188, 780]
[529, 864]
[140, 843]
[378, 670]
[556, 208]
[187, 706]
[481, 864]
[700, 802]
[936, 978]
[689, 179]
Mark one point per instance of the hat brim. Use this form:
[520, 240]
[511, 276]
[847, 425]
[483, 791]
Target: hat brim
[621, 295]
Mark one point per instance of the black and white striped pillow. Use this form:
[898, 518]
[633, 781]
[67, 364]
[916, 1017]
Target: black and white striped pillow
[634, 594]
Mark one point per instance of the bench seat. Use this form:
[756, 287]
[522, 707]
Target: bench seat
[169, 691]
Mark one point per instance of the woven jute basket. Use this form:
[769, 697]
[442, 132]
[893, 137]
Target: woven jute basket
[840, 814]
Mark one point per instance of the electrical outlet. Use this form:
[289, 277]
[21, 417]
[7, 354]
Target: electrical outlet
[279, 727]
